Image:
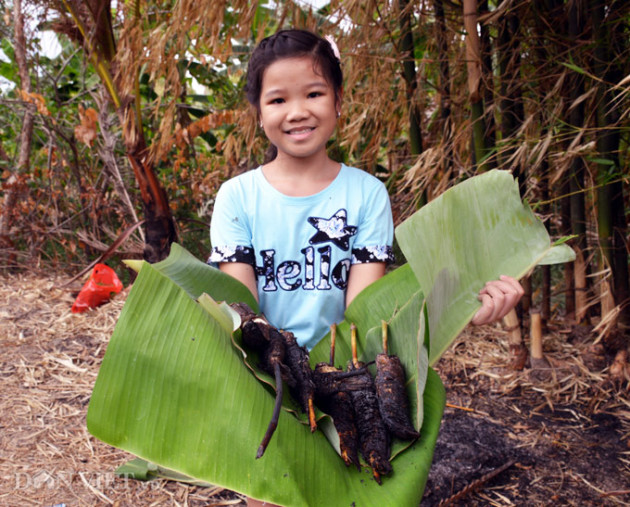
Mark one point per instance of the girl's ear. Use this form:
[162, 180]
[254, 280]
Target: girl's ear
[338, 100]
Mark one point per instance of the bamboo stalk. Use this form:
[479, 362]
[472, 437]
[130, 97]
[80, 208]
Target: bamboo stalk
[515, 340]
[535, 335]
[541, 368]
[513, 328]
[581, 303]
[607, 300]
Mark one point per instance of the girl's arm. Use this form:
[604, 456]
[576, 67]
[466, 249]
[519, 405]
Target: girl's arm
[243, 272]
[362, 275]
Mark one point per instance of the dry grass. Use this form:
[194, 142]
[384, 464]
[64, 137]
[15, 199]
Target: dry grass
[567, 380]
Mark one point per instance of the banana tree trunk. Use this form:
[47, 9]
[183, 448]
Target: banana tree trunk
[159, 226]
[93, 19]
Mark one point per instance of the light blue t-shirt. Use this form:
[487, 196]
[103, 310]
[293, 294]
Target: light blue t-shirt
[302, 247]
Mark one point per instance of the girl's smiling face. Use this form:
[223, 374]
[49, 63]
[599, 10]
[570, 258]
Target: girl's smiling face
[298, 108]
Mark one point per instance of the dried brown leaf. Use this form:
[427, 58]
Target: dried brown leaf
[86, 131]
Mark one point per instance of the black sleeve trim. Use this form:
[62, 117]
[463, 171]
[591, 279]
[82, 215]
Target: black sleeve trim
[373, 254]
[243, 254]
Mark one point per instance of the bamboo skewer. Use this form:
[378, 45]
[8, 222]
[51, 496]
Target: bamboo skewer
[384, 334]
[353, 342]
[333, 340]
[312, 421]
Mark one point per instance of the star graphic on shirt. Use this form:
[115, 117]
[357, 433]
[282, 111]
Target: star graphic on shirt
[333, 229]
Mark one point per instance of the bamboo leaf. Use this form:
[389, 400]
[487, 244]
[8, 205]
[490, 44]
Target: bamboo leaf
[135, 264]
[602, 161]
[562, 240]
[574, 68]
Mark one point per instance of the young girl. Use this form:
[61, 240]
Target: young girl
[306, 233]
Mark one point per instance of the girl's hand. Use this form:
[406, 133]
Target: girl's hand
[497, 298]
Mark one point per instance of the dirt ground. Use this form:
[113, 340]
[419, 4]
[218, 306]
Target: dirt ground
[555, 436]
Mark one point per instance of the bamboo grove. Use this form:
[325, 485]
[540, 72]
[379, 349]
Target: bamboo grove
[123, 137]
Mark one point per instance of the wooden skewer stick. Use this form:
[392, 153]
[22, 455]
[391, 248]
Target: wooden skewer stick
[353, 342]
[333, 339]
[377, 477]
[312, 421]
[384, 331]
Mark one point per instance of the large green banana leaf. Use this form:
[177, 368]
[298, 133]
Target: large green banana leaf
[173, 387]
[473, 233]
[173, 390]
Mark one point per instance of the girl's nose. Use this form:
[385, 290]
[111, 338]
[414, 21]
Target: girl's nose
[297, 111]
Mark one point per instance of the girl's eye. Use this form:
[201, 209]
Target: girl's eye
[276, 101]
[313, 95]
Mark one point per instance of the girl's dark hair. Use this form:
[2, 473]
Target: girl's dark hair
[291, 44]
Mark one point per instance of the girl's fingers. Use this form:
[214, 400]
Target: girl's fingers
[514, 283]
[481, 317]
[511, 297]
[497, 298]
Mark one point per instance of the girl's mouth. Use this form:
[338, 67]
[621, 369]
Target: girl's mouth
[300, 131]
